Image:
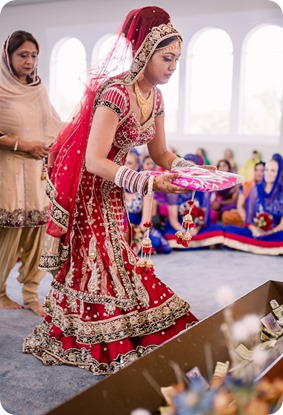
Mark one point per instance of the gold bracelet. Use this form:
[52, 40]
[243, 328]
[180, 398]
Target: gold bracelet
[16, 145]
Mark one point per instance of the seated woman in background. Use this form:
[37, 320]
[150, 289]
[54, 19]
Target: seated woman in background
[223, 200]
[238, 216]
[263, 231]
[147, 164]
[204, 234]
[201, 153]
[138, 209]
[162, 201]
[229, 155]
[247, 170]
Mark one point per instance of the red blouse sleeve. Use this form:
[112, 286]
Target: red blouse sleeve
[116, 98]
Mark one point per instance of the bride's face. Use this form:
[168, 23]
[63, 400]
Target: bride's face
[163, 64]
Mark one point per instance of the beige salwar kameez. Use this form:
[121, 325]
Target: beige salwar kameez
[26, 113]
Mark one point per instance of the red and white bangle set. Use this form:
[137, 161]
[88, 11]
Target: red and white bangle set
[133, 181]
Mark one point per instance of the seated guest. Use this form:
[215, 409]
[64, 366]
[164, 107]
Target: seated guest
[201, 153]
[229, 155]
[226, 199]
[147, 164]
[204, 234]
[247, 170]
[161, 202]
[238, 216]
[139, 208]
[263, 231]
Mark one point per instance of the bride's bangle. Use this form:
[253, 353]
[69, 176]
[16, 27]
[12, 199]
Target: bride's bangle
[131, 180]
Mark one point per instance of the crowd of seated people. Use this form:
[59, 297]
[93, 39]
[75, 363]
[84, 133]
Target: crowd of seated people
[247, 217]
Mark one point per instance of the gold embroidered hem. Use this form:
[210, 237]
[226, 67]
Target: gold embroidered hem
[50, 352]
[134, 323]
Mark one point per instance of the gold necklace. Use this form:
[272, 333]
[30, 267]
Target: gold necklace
[145, 104]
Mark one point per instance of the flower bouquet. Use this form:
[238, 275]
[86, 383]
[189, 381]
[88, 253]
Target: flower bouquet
[264, 221]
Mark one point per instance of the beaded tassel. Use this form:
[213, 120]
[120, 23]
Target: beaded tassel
[183, 235]
[145, 264]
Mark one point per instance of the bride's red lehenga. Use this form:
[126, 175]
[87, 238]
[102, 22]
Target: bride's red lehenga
[102, 313]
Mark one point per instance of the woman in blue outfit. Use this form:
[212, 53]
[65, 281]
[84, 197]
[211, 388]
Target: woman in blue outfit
[263, 231]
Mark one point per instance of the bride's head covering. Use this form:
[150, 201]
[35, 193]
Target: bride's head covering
[143, 31]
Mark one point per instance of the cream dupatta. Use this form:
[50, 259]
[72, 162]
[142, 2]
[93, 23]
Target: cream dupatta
[25, 111]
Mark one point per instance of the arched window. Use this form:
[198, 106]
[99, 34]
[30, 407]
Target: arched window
[170, 93]
[263, 81]
[209, 83]
[104, 45]
[67, 75]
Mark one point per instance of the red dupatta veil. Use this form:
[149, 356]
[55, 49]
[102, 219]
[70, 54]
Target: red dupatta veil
[141, 32]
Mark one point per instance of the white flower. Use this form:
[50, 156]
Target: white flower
[224, 295]
[247, 328]
[260, 357]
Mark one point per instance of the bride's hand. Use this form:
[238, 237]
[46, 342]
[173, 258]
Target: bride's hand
[208, 167]
[163, 183]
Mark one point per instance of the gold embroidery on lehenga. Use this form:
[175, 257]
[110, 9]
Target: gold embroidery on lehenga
[50, 352]
[114, 271]
[93, 283]
[72, 304]
[130, 255]
[69, 276]
[140, 290]
[132, 324]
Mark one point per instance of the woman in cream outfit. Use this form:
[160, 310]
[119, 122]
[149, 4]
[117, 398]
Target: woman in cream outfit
[28, 126]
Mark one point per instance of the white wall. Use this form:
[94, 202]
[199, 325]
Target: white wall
[88, 20]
